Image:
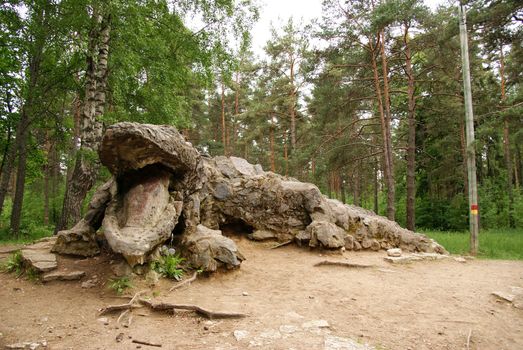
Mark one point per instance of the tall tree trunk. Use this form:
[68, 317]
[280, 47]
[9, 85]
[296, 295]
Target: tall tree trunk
[286, 156]
[271, 137]
[292, 105]
[356, 184]
[224, 132]
[7, 162]
[506, 142]
[411, 148]
[391, 186]
[376, 186]
[387, 169]
[21, 146]
[87, 164]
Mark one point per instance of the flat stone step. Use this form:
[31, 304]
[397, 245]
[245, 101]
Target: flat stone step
[63, 276]
[409, 258]
[41, 260]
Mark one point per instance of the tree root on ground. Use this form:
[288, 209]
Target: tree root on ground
[183, 283]
[344, 264]
[136, 302]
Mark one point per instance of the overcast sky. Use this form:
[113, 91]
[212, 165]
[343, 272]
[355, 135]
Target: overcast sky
[278, 11]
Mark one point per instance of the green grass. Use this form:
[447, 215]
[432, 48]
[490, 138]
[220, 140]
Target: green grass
[493, 244]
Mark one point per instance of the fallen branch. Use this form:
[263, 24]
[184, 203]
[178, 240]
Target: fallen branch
[136, 341]
[342, 263]
[122, 315]
[199, 310]
[282, 244]
[123, 307]
[183, 283]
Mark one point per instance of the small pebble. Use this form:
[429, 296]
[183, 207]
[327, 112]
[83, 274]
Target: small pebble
[245, 294]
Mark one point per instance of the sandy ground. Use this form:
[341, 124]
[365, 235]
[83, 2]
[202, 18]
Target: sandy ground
[424, 305]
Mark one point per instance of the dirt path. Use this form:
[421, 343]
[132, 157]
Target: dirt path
[425, 305]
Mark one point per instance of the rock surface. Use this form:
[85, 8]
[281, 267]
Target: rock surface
[39, 259]
[162, 187]
[63, 276]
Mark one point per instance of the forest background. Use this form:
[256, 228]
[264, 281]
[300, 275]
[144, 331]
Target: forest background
[366, 102]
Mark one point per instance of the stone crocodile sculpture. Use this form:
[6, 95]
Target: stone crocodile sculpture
[163, 188]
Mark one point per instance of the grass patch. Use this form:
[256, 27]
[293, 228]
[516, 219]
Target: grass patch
[120, 285]
[493, 244]
[169, 266]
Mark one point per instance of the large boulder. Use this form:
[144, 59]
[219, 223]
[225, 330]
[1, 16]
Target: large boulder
[163, 188]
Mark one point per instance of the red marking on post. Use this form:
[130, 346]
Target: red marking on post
[474, 207]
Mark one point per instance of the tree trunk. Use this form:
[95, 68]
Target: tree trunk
[271, 136]
[376, 186]
[506, 142]
[7, 165]
[292, 105]
[87, 163]
[411, 148]
[391, 186]
[224, 132]
[387, 169]
[21, 146]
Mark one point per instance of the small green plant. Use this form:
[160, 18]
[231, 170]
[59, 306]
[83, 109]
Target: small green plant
[32, 275]
[169, 266]
[119, 285]
[15, 263]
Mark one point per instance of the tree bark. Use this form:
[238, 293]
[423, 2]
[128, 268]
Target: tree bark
[271, 136]
[411, 148]
[387, 169]
[292, 103]
[87, 164]
[506, 142]
[21, 146]
[224, 132]
[7, 164]
[391, 186]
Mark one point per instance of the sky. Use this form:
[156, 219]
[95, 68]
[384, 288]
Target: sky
[278, 11]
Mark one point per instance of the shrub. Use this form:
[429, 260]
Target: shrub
[168, 266]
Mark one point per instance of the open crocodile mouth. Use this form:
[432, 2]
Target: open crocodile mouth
[142, 214]
[144, 210]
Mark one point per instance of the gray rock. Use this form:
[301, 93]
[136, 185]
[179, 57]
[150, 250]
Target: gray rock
[208, 249]
[460, 259]
[288, 329]
[147, 220]
[40, 260]
[152, 277]
[103, 320]
[239, 335]
[270, 334]
[121, 269]
[337, 343]
[89, 284]
[402, 259]
[261, 235]
[28, 345]
[315, 324]
[394, 252]
[159, 178]
[63, 276]
[327, 234]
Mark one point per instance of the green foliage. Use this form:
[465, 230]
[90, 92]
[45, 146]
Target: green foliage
[493, 243]
[169, 266]
[121, 284]
[14, 263]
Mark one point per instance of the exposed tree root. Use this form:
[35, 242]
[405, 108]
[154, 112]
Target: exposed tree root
[123, 307]
[282, 244]
[136, 302]
[142, 342]
[199, 310]
[344, 264]
[183, 283]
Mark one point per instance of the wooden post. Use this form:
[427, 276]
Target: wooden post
[469, 123]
